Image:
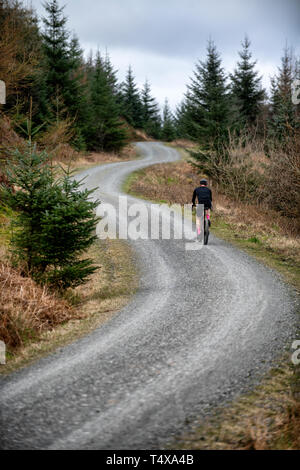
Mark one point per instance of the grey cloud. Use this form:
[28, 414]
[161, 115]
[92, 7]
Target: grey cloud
[181, 27]
[157, 36]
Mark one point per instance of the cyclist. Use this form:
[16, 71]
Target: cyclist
[204, 196]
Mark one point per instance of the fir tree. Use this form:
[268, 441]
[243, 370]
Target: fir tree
[283, 111]
[185, 121]
[168, 128]
[149, 106]
[63, 58]
[55, 221]
[296, 88]
[246, 88]
[131, 101]
[77, 93]
[111, 74]
[151, 120]
[207, 101]
[56, 49]
[106, 128]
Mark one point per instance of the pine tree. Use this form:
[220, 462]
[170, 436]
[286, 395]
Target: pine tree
[77, 94]
[296, 89]
[56, 49]
[246, 89]
[151, 120]
[283, 112]
[168, 127]
[131, 101]
[111, 74]
[63, 59]
[207, 102]
[185, 121]
[149, 106]
[106, 128]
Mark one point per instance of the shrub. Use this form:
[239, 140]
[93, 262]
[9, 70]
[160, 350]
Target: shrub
[282, 183]
[233, 168]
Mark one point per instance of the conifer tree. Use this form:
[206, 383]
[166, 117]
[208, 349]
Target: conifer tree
[149, 106]
[107, 131]
[131, 101]
[56, 49]
[55, 220]
[111, 74]
[296, 88]
[283, 111]
[77, 94]
[246, 89]
[168, 127]
[207, 101]
[151, 120]
[186, 122]
[63, 58]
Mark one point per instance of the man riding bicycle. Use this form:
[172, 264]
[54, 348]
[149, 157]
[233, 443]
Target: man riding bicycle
[204, 196]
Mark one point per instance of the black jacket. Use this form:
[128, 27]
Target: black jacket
[204, 196]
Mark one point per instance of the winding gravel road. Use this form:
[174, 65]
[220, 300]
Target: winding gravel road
[202, 328]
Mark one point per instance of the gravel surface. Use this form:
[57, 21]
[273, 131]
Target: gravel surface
[203, 327]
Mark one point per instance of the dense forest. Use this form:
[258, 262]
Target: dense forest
[81, 100]
[78, 101]
[74, 99]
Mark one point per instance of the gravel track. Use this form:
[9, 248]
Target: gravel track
[203, 327]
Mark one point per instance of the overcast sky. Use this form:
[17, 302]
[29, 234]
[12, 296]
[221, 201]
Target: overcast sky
[163, 39]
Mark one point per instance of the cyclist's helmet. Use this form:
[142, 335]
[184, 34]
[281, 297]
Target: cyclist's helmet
[203, 182]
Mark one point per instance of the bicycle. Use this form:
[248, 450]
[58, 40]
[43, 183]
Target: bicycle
[206, 224]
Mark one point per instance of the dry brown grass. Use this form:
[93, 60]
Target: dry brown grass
[57, 133]
[184, 144]
[268, 419]
[27, 309]
[135, 135]
[141, 135]
[275, 232]
[166, 182]
[9, 139]
[282, 185]
[109, 288]
[79, 161]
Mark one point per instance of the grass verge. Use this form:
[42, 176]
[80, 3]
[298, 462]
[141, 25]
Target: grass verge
[266, 419]
[81, 162]
[269, 417]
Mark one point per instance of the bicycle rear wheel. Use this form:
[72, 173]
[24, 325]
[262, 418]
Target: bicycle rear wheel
[206, 231]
